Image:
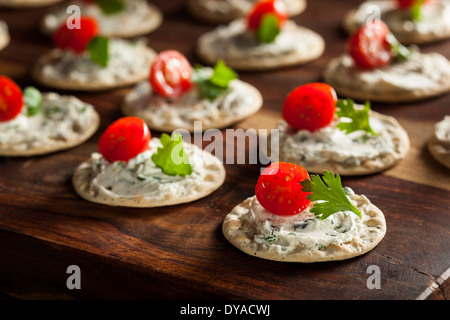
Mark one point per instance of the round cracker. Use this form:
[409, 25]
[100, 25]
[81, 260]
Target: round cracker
[214, 178]
[440, 149]
[148, 23]
[435, 149]
[4, 35]
[165, 117]
[242, 236]
[53, 56]
[216, 12]
[216, 44]
[27, 3]
[55, 145]
[370, 166]
[413, 33]
[377, 91]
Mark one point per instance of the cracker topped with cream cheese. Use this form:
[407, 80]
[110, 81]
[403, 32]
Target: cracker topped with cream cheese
[60, 122]
[439, 142]
[128, 64]
[134, 169]
[4, 35]
[223, 11]
[135, 18]
[281, 223]
[233, 43]
[432, 23]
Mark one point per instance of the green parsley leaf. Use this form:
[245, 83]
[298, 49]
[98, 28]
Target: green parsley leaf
[400, 51]
[171, 157]
[111, 6]
[33, 100]
[268, 29]
[222, 75]
[416, 7]
[98, 49]
[359, 118]
[330, 199]
[214, 86]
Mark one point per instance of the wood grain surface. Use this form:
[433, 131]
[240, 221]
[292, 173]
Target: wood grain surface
[179, 252]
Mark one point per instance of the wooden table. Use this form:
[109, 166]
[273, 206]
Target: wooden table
[179, 252]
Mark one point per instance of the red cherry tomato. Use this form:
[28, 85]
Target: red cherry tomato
[279, 189]
[75, 39]
[261, 8]
[310, 107]
[124, 139]
[407, 4]
[369, 47]
[170, 74]
[11, 99]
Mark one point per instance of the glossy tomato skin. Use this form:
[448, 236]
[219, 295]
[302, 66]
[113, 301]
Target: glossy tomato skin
[170, 74]
[263, 7]
[76, 40]
[310, 107]
[124, 139]
[369, 47]
[11, 99]
[279, 189]
[407, 4]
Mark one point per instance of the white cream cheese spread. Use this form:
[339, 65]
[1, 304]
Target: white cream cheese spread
[421, 71]
[237, 102]
[61, 119]
[434, 22]
[135, 14]
[332, 144]
[304, 230]
[234, 41]
[141, 177]
[126, 59]
[442, 134]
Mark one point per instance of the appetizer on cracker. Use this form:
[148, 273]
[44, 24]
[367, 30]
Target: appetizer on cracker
[377, 67]
[35, 123]
[132, 169]
[320, 132]
[4, 35]
[87, 61]
[20, 4]
[177, 94]
[411, 21]
[116, 18]
[295, 217]
[265, 39]
[224, 11]
[439, 142]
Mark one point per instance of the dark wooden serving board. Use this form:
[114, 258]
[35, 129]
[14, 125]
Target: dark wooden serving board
[180, 252]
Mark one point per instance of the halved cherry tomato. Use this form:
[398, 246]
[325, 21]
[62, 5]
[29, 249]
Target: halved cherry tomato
[11, 99]
[170, 74]
[75, 39]
[310, 107]
[369, 47]
[263, 7]
[279, 189]
[407, 4]
[124, 139]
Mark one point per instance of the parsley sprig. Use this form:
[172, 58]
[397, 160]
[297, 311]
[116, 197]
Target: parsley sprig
[211, 87]
[330, 197]
[171, 157]
[359, 118]
[268, 29]
[33, 100]
[111, 6]
[98, 49]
